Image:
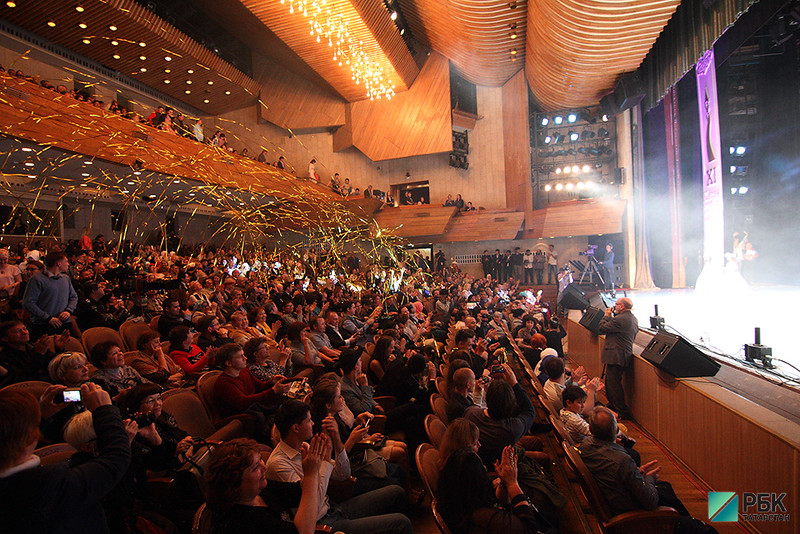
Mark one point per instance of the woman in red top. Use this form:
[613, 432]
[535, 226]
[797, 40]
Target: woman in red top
[185, 353]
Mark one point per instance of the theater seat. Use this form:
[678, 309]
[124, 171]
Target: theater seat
[99, 334]
[34, 387]
[130, 332]
[427, 457]
[55, 454]
[439, 407]
[435, 429]
[187, 409]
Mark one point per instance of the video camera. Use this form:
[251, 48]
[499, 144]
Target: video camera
[590, 250]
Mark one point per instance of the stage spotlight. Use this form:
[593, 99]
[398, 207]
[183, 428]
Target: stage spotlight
[569, 186]
[548, 139]
[584, 116]
[572, 118]
[733, 169]
[582, 150]
[734, 190]
[575, 169]
[573, 136]
[587, 134]
[558, 137]
[548, 187]
[594, 151]
[572, 152]
[743, 190]
[731, 149]
[586, 168]
[579, 185]
[393, 16]
[740, 150]
[545, 121]
[558, 119]
[559, 187]
[558, 170]
[567, 169]
[589, 183]
[603, 133]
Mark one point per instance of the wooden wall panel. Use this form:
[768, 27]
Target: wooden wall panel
[410, 221]
[412, 123]
[516, 137]
[477, 225]
[576, 217]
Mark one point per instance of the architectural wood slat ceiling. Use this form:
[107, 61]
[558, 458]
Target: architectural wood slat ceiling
[135, 25]
[379, 40]
[476, 35]
[577, 49]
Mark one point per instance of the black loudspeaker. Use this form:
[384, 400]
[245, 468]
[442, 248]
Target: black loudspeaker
[596, 301]
[609, 104]
[630, 91]
[678, 357]
[573, 298]
[591, 319]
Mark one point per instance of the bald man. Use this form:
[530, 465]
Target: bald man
[620, 327]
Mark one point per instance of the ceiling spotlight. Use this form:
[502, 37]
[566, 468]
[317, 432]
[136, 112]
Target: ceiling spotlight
[51, 23]
[513, 51]
[166, 81]
[570, 186]
[603, 132]
[513, 35]
[545, 121]
[142, 44]
[11, 4]
[579, 185]
[167, 58]
[210, 82]
[188, 82]
[82, 26]
[573, 136]
[567, 169]
[733, 169]
[142, 57]
[205, 101]
[191, 194]
[547, 139]
[734, 190]
[143, 69]
[227, 92]
[548, 187]
[190, 71]
[575, 169]
[188, 92]
[586, 168]
[79, 9]
[114, 43]
[558, 119]
[26, 149]
[87, 41]
[559, 187]
[85, 174]
[558, 170]
[393, 16]
[604, 118]
[88, 162]
[28, 163]
[137, 173]
[588, 134]
[31, 176]
[115, 56]
[112, 28]
[572, 118]
[740, 150]
[167, 71]
[743, 190]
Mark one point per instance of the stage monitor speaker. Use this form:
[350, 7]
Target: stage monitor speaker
[573, 298]
[678, 357]
[591, 319]
[596, 300]
[630, 91]
[609, 105]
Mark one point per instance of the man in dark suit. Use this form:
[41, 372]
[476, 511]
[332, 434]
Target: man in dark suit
[620, 330]
[608, 268]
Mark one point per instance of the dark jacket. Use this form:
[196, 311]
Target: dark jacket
[620, 332]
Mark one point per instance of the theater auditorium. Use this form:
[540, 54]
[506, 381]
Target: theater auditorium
[504, 266]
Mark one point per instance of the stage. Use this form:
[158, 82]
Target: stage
[722, 321]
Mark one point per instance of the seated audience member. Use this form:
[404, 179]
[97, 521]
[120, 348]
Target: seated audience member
[266, 362]
[356, 390]
[624, 486]
[153, 364]
[477, 354]
[185, 353]
[464, 385]
[239, 328]
[237, 390]
[257, 319]
[382, 355]
[67, 370]
[57, 498]
[558, 380]
[402, 380]
[374, 511]
[19, 359]
[335, 335]
[303, 352]
[469, 500]
[112, 373]
[171, 317]
[546, 355]
[498, 425]
[236, 479]
[211, 335]
[319, 338]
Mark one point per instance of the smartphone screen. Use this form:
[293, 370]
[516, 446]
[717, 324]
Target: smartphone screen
[72, 395]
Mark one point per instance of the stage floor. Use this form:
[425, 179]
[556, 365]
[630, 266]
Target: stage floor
[723, 319]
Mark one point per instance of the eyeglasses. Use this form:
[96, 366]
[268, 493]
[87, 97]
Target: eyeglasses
[151, 400]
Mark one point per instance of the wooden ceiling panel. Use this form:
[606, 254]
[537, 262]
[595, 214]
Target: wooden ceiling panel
[476, 35]
[577, 49]
[369, 25]
[60, 22]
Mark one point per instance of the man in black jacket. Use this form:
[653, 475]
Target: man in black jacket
[57, 498]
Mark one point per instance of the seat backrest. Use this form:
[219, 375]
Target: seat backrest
[201, 524]
[437, 517]
[34, 387]
[427, 457]
[130, 332]
[561, 430]
[129, 356]
[441, 386]
[54, 454]
[99, 334]
[439, 407]
[435, 429]
[73, 344]
[189, 412]
[588, 485]
[387, 402]
[205, 389]
[154, 322]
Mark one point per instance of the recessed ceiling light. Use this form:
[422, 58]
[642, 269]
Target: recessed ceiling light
[137, 173]
[31, 176]
[11, 4]
[112, 28]
[176, 181]
[190, 71]
[131, 183]
[85, 174]
[514, 52]
[167, 71]
[210, 82]
[143, 69]
[141, 43]
[188, 92]
[114, 43]
[83, 185]
[191, 194]
[115, 56]
[87, 41]
[166, 81]
[51, 23]
[29, 164]
[87, 162]
[27, 149]
[82, 26]
[79, 9]
[167, 58]
[227, 92]
[188, 82]
[205, 101]
[142, 57]
[125, 191]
